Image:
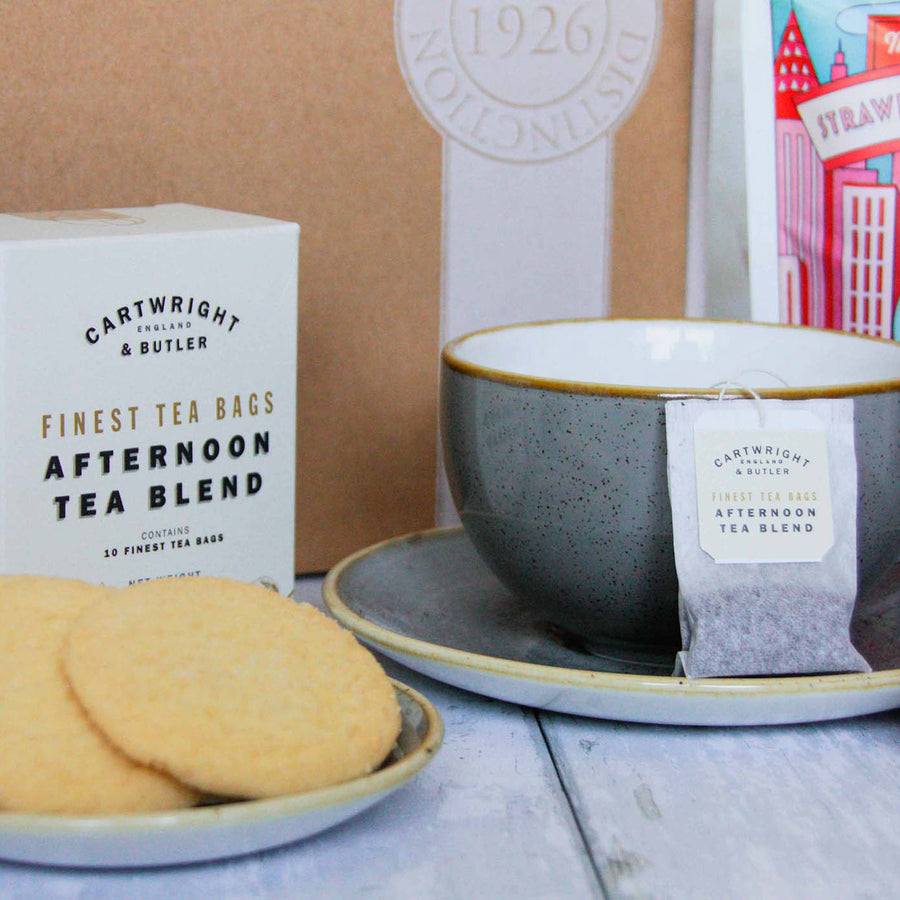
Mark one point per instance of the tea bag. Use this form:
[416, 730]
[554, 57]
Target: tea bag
[764, 524]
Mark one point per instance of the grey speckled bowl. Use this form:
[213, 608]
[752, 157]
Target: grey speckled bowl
[554, 444]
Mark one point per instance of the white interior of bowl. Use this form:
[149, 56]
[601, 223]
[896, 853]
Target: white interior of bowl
[687, 355]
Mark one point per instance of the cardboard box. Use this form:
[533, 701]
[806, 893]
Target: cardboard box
[148, 394]
[312, 112]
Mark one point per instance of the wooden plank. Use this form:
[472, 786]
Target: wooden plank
[805, 811]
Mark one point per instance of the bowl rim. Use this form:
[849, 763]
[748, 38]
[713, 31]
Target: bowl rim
[452, 360]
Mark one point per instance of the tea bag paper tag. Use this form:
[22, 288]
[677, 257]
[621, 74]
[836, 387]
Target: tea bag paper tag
[763, 483]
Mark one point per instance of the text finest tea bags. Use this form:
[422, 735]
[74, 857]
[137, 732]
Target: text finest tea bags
[764, 524]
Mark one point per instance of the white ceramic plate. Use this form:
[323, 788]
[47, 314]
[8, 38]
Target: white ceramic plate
[428, 601]
[226, 829]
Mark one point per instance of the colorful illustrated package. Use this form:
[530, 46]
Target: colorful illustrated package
[822, 118]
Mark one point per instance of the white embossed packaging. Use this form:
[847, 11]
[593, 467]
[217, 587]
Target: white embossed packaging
[147, 394]
[528, 98]
[555, 119]
[763, 499]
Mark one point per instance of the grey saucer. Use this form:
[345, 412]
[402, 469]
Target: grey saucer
[429, 602]
[225, 829]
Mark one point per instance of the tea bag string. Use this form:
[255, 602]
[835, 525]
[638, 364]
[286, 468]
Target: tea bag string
[736, 382]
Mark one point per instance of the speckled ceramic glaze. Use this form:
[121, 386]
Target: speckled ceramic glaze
[396, 596]
[560, 480]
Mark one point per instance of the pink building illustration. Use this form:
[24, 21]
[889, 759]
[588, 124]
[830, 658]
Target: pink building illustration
[837, 240]
[869, 230]
[801, 179]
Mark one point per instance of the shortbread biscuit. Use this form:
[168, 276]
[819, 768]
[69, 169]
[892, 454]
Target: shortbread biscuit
[52, 759]
[231, 687]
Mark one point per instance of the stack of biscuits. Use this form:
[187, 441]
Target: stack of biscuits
[159, 695]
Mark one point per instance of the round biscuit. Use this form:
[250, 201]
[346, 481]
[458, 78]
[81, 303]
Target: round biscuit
[232, 688]
[52, 759]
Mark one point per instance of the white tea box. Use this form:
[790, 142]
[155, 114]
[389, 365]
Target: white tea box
[147, 394]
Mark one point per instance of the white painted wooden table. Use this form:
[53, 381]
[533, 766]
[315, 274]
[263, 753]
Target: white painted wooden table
[524, 805]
